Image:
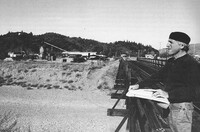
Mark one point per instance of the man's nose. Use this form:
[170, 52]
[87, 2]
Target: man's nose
[168, 45]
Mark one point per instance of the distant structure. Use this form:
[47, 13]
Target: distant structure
[49, 55]
[41, 52]
[84, 54]
[150, 56]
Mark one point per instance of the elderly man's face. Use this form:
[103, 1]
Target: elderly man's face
[173, 47]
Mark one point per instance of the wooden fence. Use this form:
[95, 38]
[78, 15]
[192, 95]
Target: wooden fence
[141, 115]
[155, 65]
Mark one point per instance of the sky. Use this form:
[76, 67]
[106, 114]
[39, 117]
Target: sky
[142, 21]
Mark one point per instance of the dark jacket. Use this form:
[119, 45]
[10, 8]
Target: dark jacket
[181, 78]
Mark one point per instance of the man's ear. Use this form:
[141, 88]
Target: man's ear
[182, 46]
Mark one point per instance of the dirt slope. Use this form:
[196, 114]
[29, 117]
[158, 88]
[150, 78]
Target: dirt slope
[47, 96]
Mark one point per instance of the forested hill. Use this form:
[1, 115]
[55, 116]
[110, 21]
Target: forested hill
[21, 41]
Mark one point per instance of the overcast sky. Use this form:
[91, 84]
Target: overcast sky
[144, 21]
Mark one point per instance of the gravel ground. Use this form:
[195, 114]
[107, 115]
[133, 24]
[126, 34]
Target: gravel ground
[59, 110]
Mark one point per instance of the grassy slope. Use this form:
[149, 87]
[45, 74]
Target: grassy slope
[77, 78]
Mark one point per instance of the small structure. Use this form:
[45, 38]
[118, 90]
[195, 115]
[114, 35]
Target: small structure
[70, 56]
[41, 52]
[84, 54]
[17, 55]
[150, 56]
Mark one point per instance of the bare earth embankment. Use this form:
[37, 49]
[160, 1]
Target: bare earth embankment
[59, 97]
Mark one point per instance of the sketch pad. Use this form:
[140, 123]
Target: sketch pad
[147, 94]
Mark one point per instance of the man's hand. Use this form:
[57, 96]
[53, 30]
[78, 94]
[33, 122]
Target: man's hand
[163, 105]
[160, 93]
[133, 87]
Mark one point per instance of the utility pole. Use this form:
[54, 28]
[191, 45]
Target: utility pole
[160, 46]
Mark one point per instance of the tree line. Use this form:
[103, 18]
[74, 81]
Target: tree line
[30, 44]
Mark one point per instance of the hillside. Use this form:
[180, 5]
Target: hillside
[21, 41]
[195, 49]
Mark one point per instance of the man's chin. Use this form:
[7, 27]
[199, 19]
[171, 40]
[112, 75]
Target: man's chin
[169, 53]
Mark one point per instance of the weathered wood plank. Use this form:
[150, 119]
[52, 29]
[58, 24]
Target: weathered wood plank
[117, 96]
[119, 87]
[117, 112]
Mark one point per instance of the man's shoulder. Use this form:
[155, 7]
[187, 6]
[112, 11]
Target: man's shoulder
[190, 62]
[190, 59]
[171, 59]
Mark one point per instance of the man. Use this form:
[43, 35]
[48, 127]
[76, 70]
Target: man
[180, 76]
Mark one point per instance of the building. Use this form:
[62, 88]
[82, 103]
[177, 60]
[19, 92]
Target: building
[84, 54]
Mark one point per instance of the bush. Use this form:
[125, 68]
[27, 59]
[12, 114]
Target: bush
[8, 122]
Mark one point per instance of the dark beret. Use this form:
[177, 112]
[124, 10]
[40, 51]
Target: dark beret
[180, 36]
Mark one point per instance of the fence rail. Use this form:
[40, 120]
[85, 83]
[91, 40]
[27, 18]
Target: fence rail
[156, 62]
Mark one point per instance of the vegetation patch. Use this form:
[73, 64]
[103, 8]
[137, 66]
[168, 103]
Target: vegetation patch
[69, 73]
[34, 70]
[56, 86]
[34, 85]
[48, 80]
[73, 88]
[63, 81]
[70, 81]
[8, 76]
[25, 70]
[29, 88]
[20, 78]
[20, 70]
[78, 75]
[103, 86]
[67, 87]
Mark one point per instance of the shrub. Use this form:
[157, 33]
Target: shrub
[41, 85]
[2, 80]
[75, 70]
[78, 75]
[69, 73]
[79, 87]
[48, 86]
[65, 67]
[20, 78]
[72, 87]
[66, 87]
[54, 73]
[47, 80]
[8, 122]
[9, 81]
[34, 70]
[56, 86]
[34, 85]
[24, 84]
[63, 81]
[25, 70]
[29, 88]
[8, 76]
[70, 81]
[20, 70]
[103, 85]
